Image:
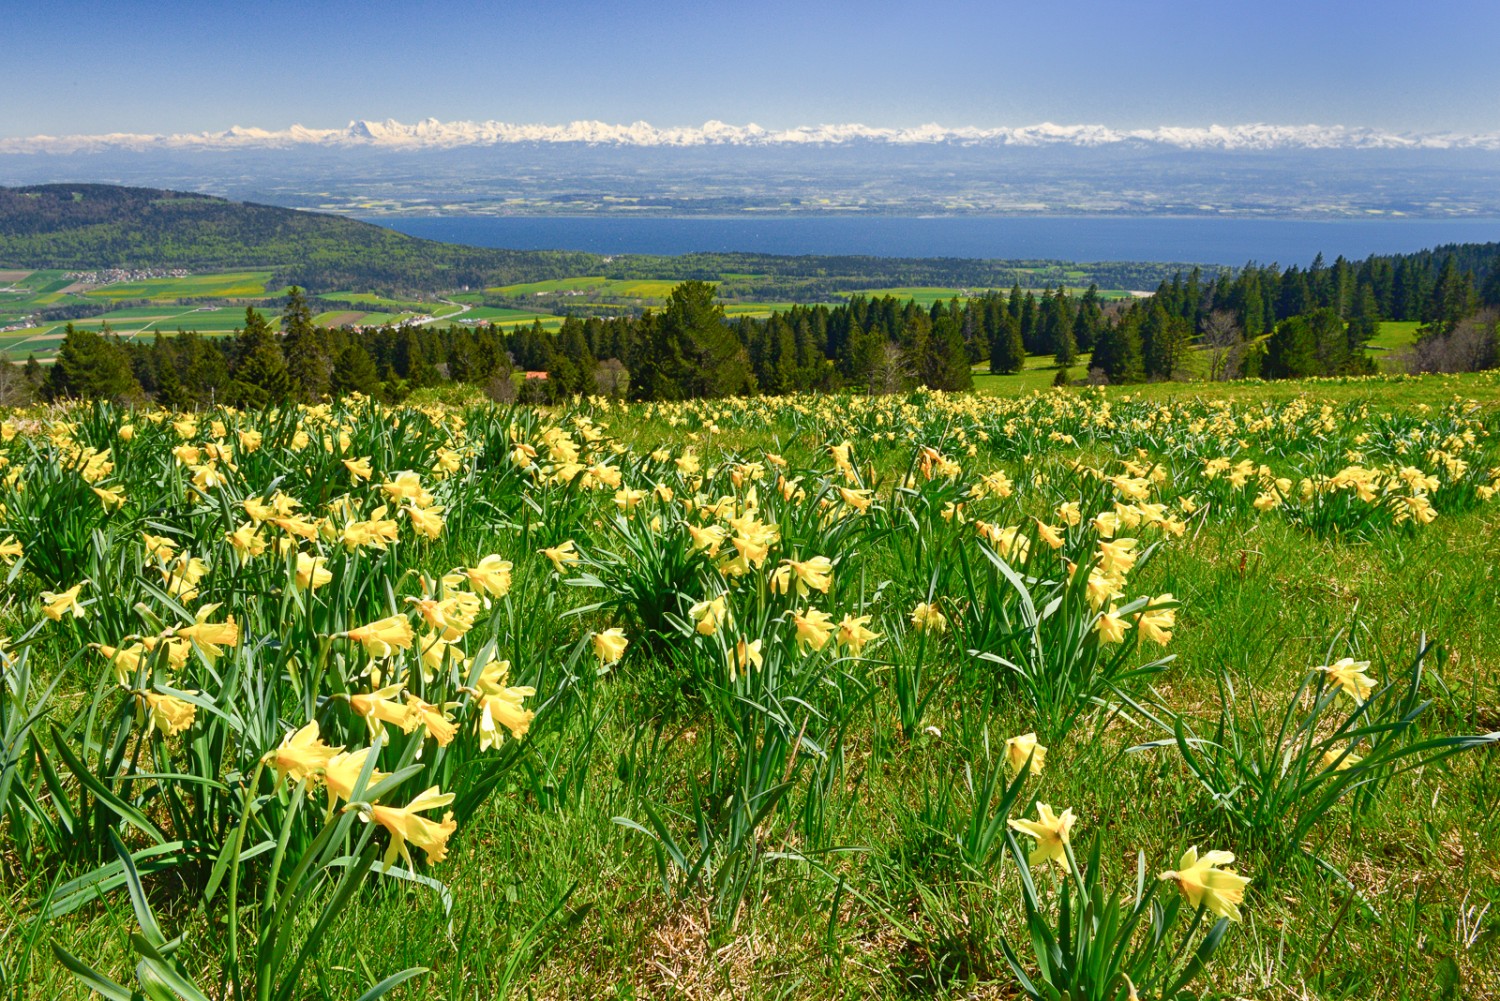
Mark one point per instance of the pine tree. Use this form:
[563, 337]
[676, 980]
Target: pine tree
[260, 373]
[1007, 353]
[354, 372]
[304, 348]
[92, 366]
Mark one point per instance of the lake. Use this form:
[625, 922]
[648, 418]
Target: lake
[1204, 240]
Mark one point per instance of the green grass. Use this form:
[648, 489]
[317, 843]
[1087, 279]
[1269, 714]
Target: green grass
[1039, 373]
[373, 299]
[878, 906]
[223, 285]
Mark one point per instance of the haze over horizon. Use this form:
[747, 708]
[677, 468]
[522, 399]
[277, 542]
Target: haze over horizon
[90, 68]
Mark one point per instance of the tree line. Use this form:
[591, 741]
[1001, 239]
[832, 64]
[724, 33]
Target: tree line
[1263, 322]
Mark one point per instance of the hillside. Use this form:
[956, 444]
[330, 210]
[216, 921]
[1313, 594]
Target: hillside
[89, 226]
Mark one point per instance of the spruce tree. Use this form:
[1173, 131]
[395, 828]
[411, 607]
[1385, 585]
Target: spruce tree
[354, 372]
[259, 372]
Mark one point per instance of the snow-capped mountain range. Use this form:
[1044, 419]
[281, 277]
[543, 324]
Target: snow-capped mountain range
[433, 134]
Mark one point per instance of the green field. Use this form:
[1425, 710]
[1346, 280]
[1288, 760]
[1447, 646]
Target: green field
[228, 285]
[374, 299]
[613, 288]
[845, 814]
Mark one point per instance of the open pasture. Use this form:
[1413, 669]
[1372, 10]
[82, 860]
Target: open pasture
[795, 698]
[225, 285]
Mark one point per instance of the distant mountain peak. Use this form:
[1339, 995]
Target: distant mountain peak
[430, 133]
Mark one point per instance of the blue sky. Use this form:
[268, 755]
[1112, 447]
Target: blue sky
[168, 66]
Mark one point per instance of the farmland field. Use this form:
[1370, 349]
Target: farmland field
[800, 698]
[229, 285]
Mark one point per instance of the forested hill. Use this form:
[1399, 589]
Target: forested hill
[90, 226]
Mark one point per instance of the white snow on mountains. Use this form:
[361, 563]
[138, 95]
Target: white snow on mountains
[431, 133]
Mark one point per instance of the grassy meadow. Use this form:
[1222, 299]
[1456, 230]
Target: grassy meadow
[773, 698]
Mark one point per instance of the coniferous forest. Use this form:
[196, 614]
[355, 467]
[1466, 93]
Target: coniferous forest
[1257, 322]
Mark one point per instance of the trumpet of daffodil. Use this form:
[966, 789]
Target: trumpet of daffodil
[523, 456]
[752, 551]
[1051, 833]
[434, 717]
[453, 615]
[246, 540]
[854, 633]
[1019, 749]
[182, 577]
[927, 617]
[500, 706]
[490, 578]
[310, 572]
[384, 637]
[434, 654]
[1350, 675]
[406, 486]
[158, 547]
[1111, 626]
[1117, 556]
[815, 574]
[628, 498]
[113, 498]
[249, 440]
[744, 658]
[407, 828]
[813, 628]
[258, 510]
[1339, 761]
[167, 713]
[126, 660]
[562, 555]
[709, 538]
[1050, 536]
[1156, 623]
[376, 532]
[302, 755]
[379, 706]
[342, 773]
[609, 646]
[1068, 513]
[210, 637]
[710, 615]
[1205, 884]
[425, 521]
[57, 604]
[359, 469]
[447, 463]
[858, 500]
[176, 650]
[1010, 545]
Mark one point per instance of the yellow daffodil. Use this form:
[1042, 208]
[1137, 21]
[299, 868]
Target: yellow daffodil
[302, 755]
[710, 615]
[854, 634]
[384, 637]
[407, 828]
[57, 604]
[927, 617]
[310, 572]
[1019, 749]
[1205, 883]
[609, 646]
[1051, 833]
[167, 713]
[562, 555]
[1350, 675]
[813, 628]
